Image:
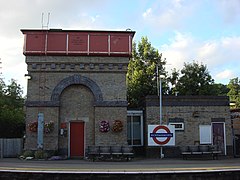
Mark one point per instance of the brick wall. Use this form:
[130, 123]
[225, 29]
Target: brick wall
[66, 89]
[193, 111]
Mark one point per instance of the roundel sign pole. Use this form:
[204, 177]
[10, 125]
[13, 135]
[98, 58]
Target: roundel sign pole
[161, 135]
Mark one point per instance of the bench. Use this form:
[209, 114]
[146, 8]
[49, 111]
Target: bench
[201, 150]
[109, 153]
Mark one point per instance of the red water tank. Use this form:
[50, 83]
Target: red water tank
[77, 42]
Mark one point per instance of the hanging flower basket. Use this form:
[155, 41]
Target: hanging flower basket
[33, 126]
[104, 126]
[117, 126]
[49, 127]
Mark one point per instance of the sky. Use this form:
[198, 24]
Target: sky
[204, 31]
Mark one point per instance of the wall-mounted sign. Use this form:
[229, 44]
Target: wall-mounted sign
[161, 135]
[40, 130]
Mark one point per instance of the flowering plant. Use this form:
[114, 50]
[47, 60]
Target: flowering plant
[117, 126]
[104, 126]
[49, 127]
[32, 126]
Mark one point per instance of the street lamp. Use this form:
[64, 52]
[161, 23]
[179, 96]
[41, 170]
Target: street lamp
[159, 84]
[160, 97]
[160, 108]
[28, 76]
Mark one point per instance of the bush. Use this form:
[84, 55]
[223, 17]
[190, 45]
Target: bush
[28, 154]
[39, 154]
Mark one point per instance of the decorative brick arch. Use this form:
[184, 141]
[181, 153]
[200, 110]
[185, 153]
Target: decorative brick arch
[77, 79]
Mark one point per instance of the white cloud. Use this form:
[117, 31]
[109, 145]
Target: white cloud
[177, 51]
[15, 15]
[168, 14]
[220, 55]
[147, 13]
[13, 63]
[230, 10]
[225, 75]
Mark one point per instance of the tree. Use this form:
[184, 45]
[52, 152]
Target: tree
[234, 91]
[11, 110]
[194, 80]
[219, 89]
[142, 72]
[173, 80]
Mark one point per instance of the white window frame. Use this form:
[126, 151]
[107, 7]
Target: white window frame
[136, 113]
[177, 123]
[203, 131]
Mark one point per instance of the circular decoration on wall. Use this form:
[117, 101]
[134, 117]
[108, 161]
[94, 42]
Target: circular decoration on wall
[104, 126]
[117, 126]
[33, 126]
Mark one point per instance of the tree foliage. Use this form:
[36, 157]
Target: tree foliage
[142, 76]
[173, 80]
[194, 80]
[11, 110]
[234, 91]
[142, 71]
[219, 89]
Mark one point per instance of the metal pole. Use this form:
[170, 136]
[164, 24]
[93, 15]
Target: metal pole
[160, 109]
[159, 85]
[160, 99]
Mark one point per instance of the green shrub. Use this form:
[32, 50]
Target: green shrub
[28, 154]
[39, 154]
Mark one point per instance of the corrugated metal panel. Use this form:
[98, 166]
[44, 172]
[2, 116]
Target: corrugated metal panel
[11, 147]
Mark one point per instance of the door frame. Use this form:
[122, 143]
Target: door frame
[69, 136]
[224, 135]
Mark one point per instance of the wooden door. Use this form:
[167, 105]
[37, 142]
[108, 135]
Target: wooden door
[76, 139]
[218, 135]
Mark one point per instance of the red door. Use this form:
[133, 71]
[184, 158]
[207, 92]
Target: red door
[76, 139]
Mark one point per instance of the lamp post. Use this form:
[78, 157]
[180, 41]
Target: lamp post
[160, 97]
[159, 84]
[160, 108]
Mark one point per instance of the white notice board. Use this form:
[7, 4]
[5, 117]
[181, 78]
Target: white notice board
[205, 132]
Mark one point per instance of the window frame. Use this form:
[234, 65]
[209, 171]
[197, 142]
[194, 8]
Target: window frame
[133, 113]
[205, 130]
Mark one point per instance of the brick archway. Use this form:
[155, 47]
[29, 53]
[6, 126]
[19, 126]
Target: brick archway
[79, 80]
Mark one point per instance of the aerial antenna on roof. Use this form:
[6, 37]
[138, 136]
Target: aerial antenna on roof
[43, 25]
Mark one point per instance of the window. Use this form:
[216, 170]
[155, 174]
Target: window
[205, 134]
[178, 126]
[135, 128]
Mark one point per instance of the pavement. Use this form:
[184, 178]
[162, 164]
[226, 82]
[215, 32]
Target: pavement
[138, 165]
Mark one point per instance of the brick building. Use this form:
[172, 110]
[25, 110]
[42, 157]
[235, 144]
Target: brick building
[76, 97]
[77, 83]
[197, 119]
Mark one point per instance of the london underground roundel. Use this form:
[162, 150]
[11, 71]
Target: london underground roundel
[161, 135]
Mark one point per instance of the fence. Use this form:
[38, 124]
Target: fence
[11, 147]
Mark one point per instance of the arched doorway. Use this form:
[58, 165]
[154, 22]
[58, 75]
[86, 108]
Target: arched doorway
[77, 111]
